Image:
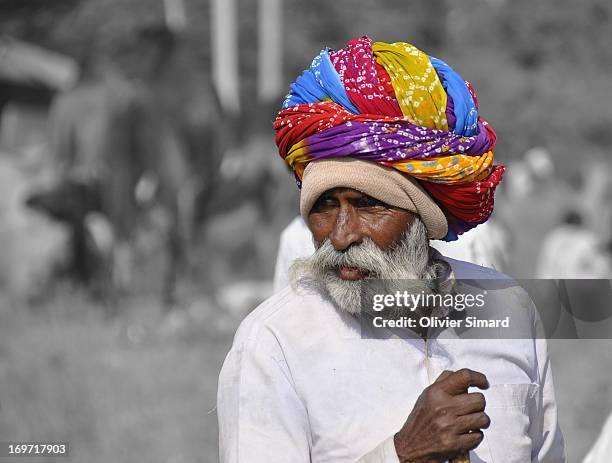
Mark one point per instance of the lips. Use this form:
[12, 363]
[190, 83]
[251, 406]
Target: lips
[351, 273]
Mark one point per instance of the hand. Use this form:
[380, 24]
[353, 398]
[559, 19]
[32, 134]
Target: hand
[446, 421]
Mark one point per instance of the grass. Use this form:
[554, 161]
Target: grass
[135, 388]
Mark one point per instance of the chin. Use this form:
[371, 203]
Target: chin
[345, 294]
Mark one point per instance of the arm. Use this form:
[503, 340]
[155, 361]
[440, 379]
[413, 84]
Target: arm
[261, 418]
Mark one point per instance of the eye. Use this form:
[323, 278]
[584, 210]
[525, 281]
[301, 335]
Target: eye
[324, 202]
[368, 201]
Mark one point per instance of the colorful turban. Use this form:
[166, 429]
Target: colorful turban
[393, 105]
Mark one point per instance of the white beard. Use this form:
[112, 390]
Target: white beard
[408, 260]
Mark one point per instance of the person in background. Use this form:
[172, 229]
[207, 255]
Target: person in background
[572, 251]
[113, 136]
[295, 243]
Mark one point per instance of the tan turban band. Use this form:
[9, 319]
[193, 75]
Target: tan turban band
[383, 183]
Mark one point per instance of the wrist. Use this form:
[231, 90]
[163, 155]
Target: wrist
[406, 452]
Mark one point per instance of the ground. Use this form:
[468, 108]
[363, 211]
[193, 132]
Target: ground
[122, 390]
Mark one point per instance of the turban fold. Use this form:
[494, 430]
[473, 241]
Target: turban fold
[393, 105]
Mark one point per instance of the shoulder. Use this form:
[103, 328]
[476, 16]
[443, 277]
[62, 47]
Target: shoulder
[468, 270]
[256, 322]
[278, 331]
[281, 321]
[504, 293]
[254, 343]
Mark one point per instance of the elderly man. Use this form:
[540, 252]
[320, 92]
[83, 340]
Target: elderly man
[388, 149]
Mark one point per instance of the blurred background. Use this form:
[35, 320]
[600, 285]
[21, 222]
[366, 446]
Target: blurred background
[142, 198]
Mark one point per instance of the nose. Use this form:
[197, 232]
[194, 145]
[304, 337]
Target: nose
[346, 230]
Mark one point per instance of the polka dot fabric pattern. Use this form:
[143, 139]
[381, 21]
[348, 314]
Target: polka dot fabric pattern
[394, 105]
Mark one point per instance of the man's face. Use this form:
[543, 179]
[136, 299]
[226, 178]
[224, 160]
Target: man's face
[346, 217]
[359, 238]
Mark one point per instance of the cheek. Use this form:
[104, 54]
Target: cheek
[320, 225]
[388, 230]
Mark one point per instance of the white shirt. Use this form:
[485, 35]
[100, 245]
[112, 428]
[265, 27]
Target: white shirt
[601, 451]
[301, 385]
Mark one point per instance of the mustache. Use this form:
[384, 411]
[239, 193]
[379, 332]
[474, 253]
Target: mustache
[366, 256]
[407, 259]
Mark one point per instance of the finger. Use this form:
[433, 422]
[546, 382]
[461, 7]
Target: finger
[461, 380]
[472, 422]
[445, 374]
[473, 402]
[469, 441]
